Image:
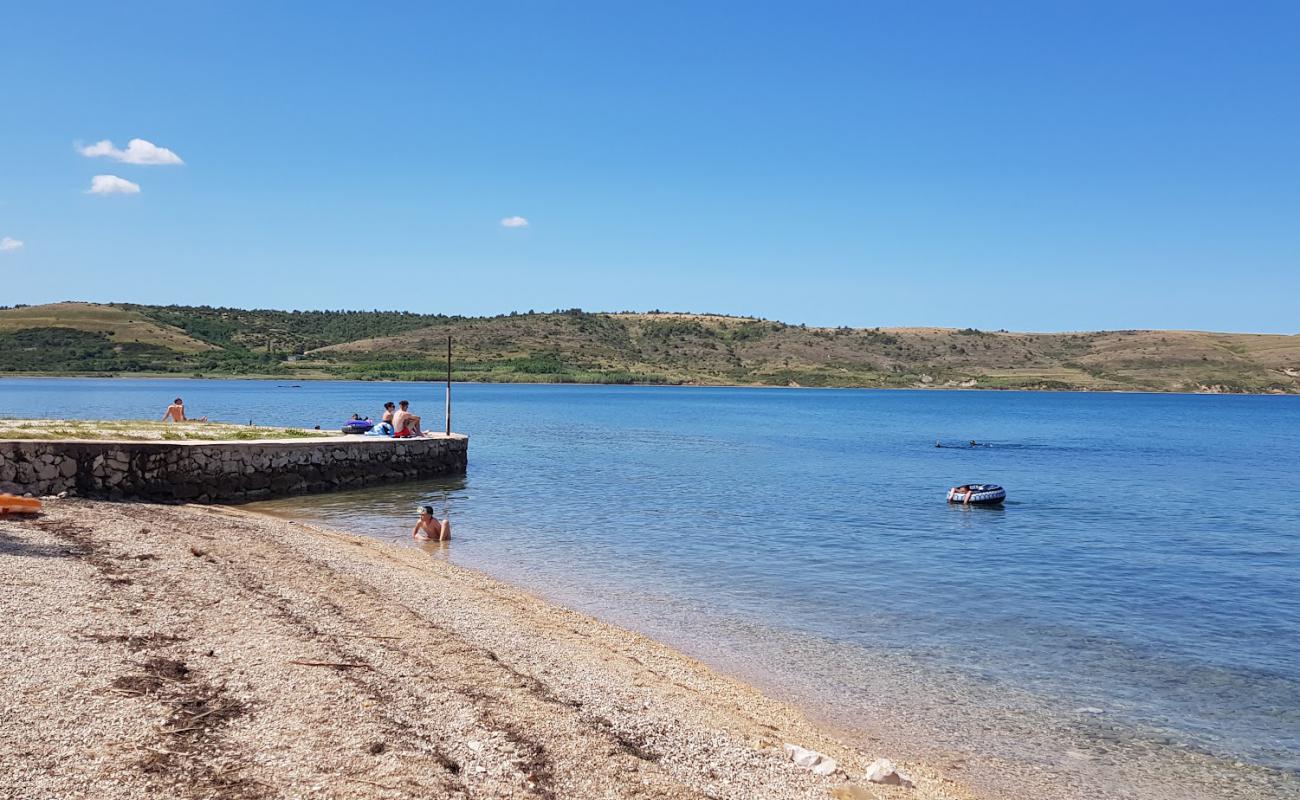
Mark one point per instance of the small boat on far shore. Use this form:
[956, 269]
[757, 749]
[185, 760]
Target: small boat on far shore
[977, 494]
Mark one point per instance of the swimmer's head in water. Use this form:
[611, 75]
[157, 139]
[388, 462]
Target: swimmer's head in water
[426, 510]
[177, 401]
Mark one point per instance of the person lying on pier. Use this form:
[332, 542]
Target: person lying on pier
[430, 529]
[176, 413]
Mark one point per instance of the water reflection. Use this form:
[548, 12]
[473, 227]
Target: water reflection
[440, 550]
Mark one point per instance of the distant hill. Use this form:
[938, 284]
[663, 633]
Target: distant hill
[122, 324]
[578, 346]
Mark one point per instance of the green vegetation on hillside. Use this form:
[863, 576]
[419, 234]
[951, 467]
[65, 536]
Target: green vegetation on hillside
[583, 347]
[69, 350]
[292, 332]
[123, 326]
[72, 350]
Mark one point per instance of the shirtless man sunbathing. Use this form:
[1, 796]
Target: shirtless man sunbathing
[176, 413]
[404, 420]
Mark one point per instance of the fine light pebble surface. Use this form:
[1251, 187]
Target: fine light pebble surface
[198, 652]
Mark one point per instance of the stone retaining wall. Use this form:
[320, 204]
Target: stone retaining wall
[212, 472]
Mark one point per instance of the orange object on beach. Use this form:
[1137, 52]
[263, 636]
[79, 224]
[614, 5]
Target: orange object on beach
[13, 504]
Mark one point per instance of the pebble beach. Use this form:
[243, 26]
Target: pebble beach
[197, 652]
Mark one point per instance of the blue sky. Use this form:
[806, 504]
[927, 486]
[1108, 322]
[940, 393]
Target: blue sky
[1030, 166]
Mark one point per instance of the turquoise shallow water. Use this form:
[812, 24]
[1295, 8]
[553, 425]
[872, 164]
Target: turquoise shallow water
[1146, 564]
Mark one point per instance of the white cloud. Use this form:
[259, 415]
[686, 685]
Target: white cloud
[111, 184]
[514, 222]
[9, 243]
[138, 151]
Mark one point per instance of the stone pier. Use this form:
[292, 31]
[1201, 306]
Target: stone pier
[222, 471]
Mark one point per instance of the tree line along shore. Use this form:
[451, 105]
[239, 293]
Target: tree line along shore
[575, 346]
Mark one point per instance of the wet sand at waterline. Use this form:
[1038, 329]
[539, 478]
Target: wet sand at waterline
[204, 652]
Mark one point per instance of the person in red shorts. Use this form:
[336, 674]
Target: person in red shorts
[410, 428]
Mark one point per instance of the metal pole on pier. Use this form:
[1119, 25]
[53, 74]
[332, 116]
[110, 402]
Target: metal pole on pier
[449, 385]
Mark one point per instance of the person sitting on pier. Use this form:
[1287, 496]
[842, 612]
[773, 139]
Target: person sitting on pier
[429, 528]
[404, 420]
[176, 413]
[385, 426]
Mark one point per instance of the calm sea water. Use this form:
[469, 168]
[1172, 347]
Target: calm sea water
[1143, 577]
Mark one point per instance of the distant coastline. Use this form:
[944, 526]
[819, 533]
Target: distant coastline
[458, 381]
[625, 348]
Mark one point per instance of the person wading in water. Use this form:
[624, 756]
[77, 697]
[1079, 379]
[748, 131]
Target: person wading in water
[429, 529]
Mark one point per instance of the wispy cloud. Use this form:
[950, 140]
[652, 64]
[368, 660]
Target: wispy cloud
[111, 184]
[514, 222]
[9, 243]
[138, 151]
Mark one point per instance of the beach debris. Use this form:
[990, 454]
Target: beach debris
[811, 760]
[474, 746]
[1090, 710]
[334, 664]
[13, 504]
[851, 791]
[882, 770]
[362, 635]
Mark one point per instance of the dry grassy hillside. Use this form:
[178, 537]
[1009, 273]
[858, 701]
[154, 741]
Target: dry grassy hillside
[577, 346]
[712, 349]
[123, 326]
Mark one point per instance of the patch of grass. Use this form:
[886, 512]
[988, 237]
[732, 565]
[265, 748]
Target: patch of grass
[247, 433]
[146, 430]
